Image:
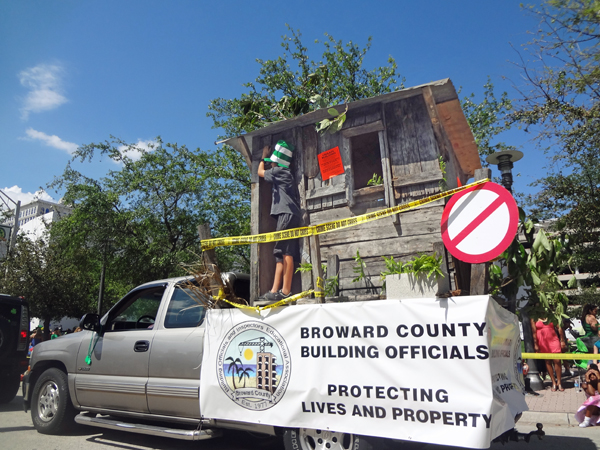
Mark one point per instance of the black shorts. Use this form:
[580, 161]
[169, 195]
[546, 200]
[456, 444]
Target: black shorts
[290, 246]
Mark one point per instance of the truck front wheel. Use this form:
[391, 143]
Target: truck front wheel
[309, 439]
[51, 409]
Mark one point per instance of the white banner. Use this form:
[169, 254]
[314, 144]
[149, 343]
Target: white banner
[443, 371]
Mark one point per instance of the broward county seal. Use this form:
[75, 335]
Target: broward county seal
[254, 365]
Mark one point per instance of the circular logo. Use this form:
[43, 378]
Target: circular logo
[254, 365]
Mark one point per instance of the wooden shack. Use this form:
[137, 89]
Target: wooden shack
[401, 137]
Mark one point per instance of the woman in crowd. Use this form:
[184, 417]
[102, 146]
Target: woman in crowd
[588, 414]
[546, 340]
[590, 325]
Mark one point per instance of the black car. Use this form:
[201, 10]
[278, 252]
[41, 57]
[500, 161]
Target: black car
[14, 340]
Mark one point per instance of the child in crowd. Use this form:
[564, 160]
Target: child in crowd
[588, 414]
[285, 208]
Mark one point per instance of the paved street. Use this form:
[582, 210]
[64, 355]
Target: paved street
[17, 433]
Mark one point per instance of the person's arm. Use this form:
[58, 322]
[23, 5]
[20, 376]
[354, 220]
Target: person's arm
[595, 353]
[563, 341]
[534, 334]
[261, 165]
[592, 322]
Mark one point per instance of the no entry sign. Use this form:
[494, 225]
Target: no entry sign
[479, 224]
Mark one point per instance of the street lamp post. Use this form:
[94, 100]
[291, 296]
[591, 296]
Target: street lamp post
[504, 160]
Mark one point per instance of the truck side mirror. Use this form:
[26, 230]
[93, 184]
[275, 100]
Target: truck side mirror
[90, 322]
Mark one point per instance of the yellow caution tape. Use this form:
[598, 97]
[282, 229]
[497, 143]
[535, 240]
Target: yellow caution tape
[327, 227]
[573, 356]
[293, 298]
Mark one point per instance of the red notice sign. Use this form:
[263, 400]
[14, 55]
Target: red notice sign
[331, 163]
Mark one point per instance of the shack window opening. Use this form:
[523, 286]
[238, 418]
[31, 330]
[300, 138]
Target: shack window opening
[366, 159]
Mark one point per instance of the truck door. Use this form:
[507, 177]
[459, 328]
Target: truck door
[118, 373]
[176, 356]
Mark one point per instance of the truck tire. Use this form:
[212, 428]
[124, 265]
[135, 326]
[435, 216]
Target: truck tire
[309, 439]
[6, 338]
[10, 386]
[51, 409]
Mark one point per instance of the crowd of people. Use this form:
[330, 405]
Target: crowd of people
[550, 338]
[37, 335]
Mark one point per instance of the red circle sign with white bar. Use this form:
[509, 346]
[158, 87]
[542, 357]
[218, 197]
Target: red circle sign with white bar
[479, 223]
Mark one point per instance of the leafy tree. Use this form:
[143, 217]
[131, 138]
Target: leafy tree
[488, 119]
[536, 270]
[55, 283]
[291, 84]
[141, 219]
[561, 106]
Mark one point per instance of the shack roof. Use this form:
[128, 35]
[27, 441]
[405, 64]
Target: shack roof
[443, 91]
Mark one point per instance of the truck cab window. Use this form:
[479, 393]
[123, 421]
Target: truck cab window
[184, 311]
[138, 312]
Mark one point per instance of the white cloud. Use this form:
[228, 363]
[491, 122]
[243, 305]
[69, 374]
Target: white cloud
[45, 88]
[136, 150]
[16, 194]
[52, 141]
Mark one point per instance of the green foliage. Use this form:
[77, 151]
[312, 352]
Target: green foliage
[375, 180]
[443, 182]
[428, 265]
[334, 124]
[359, 269]
[488, 119]
[536, 270]
[331, 282]
[561, 105]
[55, 282]
[294, 84]
[141, 219]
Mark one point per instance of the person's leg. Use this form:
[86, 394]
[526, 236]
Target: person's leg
[558, 372]
[551, 373]
[589, 412]
[278, 276]
[288, 274]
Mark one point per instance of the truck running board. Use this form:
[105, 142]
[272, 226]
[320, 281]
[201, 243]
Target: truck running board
[151, 430]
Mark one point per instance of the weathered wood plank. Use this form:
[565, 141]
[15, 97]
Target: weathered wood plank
[246, 153]
[325, 191]
[385, 228]
[399, 245]
[363, 129]
[349, 178]
[441, 137]
[428, 149]
[309, 151]
[254, 248]
[426, 211]
[333, 269]
[302, 281]
[317, 270]
[419, 178]
[208, 256]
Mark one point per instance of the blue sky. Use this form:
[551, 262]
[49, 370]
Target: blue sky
[76, 72]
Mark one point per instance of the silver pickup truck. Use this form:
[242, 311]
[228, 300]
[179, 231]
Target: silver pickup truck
[137, 369]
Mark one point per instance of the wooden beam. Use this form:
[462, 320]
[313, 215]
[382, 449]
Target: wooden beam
[208, 256]
[480, 273]
[333, 269]
[363, 129]
[246, 152]
[315, 259]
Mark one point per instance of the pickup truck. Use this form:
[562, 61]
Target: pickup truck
[143, 374]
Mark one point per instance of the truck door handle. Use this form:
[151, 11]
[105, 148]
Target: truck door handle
[141, 346]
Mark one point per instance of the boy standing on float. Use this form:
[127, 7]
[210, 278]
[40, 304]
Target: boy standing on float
[285, 208]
